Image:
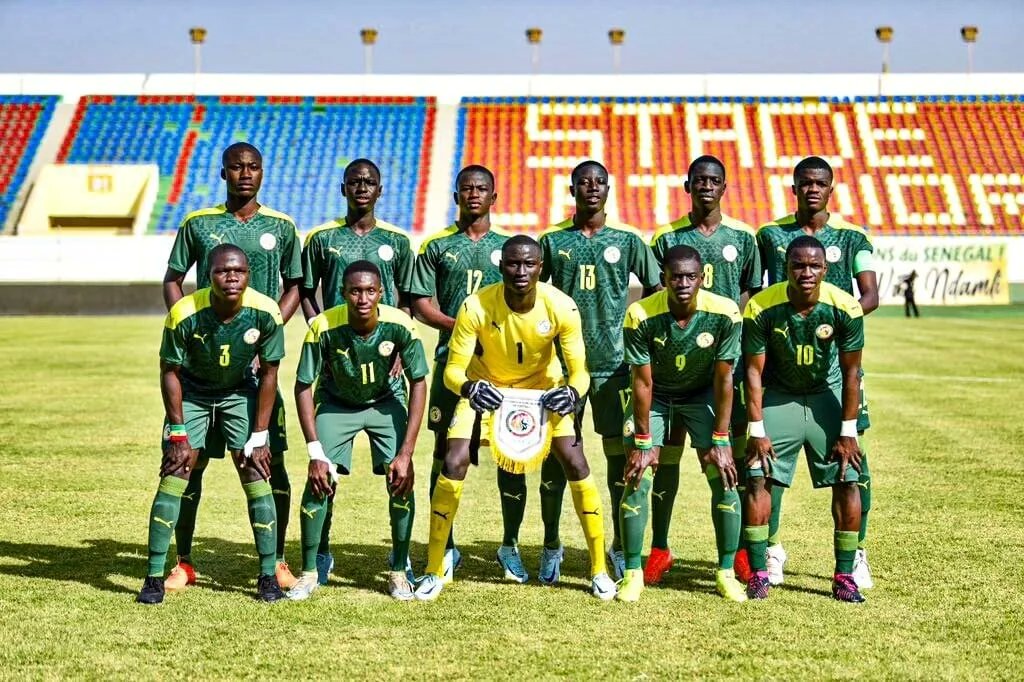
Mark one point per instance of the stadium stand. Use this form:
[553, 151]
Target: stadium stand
[23, 120]
[915, 165]
[306, 143]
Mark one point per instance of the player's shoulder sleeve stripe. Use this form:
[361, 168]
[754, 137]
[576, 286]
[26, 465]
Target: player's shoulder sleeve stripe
[219, 209]
[254, 299]
[629, 229]
[839, 223]
[784, 221]
[670, 228]
[388, 227]
[395, 316]
[337, 222]
[774, 295]
[440, 234]
[837, 298]
[646, 308]
[719, 305]
[558, 301]
[738, 225]
[556, 228]
[186, 307]
[271, 213]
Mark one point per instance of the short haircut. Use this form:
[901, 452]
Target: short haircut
[680, 253]
[702, 160]
[519, 240]
[236, 148]
[474, 168]
[805, 241]
[812, 163]
[358, 267]
[222, 250]
[362, 162]
[579, 169]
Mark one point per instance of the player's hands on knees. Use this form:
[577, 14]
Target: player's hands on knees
[637, 463]
[847, 452]
[259, 460]
[177, 459]
[401, 477]
[720, 456]
[320, 478]
[483, 397]
[562, 400]
[760, 453]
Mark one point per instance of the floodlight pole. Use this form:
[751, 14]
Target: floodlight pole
[369, 36]
[616, 37]
[533, 36]
[198, 37]
[970, 36]
[884, 35]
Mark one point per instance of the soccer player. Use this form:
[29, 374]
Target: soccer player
[681, 344]
[348, 353]
[848, 251]
[453, 264]
[802, 340]
[332, 247]
[271, 243]
[732, 268]
[504, 336]
[591, 261]
[210, 341]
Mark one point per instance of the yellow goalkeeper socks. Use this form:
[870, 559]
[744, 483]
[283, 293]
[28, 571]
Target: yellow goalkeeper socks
[587, 501]
[443, 505]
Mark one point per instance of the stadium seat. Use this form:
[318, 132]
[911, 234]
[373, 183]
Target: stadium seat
[23, 121]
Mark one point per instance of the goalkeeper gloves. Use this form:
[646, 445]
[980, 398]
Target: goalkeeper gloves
[562, 400]
[483, 397]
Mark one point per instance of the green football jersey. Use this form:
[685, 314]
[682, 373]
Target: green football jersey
[732, 263]
[802, 353]
[352, 370]
[269, 239]
[333, 246]
[595, 271]
[682, 359]
[843, 241]
[451, 266]
[216, 357]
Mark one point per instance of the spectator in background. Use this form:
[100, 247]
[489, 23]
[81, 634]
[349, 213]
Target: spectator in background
[908, 294]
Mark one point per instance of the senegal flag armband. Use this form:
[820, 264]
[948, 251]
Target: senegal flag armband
[177, 433]
[643, 441]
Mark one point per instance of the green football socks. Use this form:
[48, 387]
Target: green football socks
[552, 490]
[512, 490]
[775, 520]
[663, 499]
[185, 530]
[616, 489]
[263, 519]
[162, 517]
[726, 517]
[401, 510]
[282, 490]
[632, 512]
[312, 519]
[864, 486]
[845, 545]
[757, 541]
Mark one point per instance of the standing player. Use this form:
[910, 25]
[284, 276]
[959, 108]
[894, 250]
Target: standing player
[848, 251]
[271, 243]
[210, 341]
[348, 353]
[802, 340]
[732, 268]
[681, 344]
[453, 264]
[332, 247]
[505, 336]
[591, 261]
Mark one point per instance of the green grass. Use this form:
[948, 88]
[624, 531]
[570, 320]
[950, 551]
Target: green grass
[80, 417]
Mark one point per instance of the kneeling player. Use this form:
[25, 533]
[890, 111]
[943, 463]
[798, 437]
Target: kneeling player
[504, 336]
[210, 340]
[681, 344]
[802, 340]
[348, 353]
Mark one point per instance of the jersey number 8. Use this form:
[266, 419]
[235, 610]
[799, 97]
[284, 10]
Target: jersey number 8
[709, 275]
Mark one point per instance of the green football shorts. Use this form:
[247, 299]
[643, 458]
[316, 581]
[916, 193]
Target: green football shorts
[810, 422]
[608, 397]
[278, 441]
[384, 423]
[441, 403]
[225, 419]
[695, 413]
[738, 419]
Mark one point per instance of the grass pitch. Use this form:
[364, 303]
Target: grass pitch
[80, 419]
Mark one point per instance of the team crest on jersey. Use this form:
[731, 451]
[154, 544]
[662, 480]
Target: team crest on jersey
[386, 348]
[496, 257]
[627, 428]
[435, 414]
[730, 253]
[251, 336]
[612, 254]
[543, 327]
[268, 241]
[824, 331]
[385, 252]
[833, 254]
[520, 423]
[705, 339]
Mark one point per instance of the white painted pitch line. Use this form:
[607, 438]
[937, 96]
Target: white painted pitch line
[939, 377]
